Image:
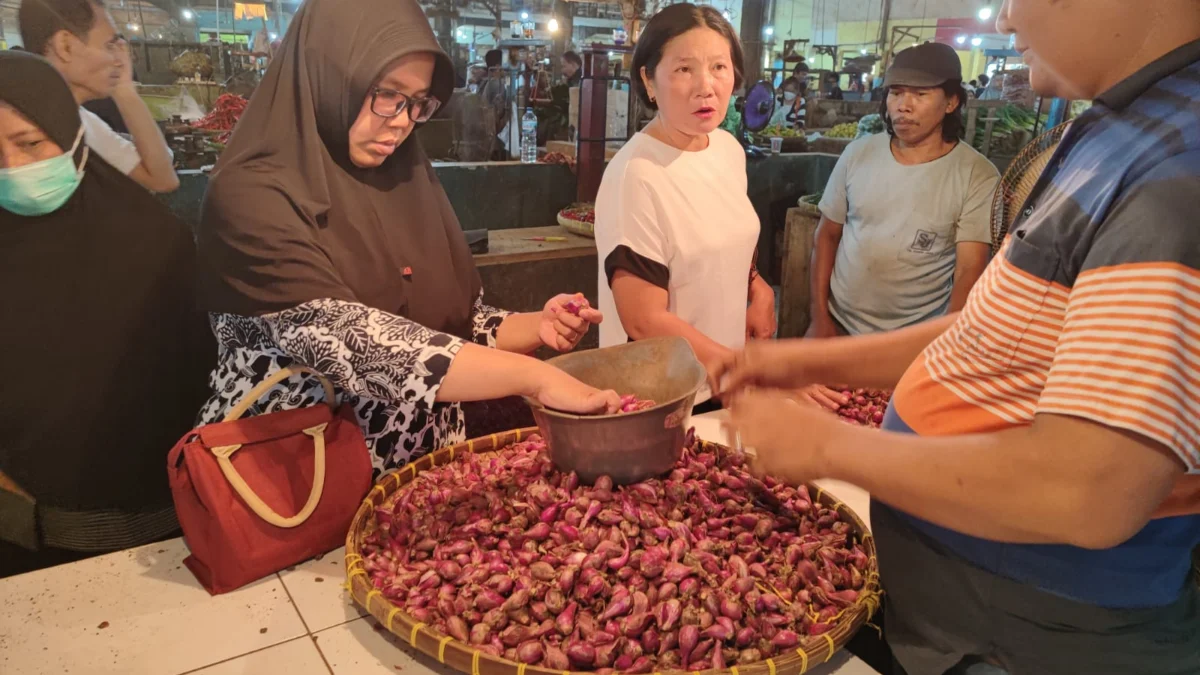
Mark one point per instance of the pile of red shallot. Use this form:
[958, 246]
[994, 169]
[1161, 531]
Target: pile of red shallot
[865, 406]
[692, 571]
[631, 403]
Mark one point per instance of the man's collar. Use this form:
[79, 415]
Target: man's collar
[1128, 90]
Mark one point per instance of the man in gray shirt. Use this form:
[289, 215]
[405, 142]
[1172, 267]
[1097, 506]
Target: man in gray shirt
[906, 230]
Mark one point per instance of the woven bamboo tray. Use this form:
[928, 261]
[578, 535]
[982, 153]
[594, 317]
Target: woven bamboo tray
[460, 656]
[578, 227]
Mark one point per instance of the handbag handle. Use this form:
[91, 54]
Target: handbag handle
[317, 433]
[278, 376]
[256, 504]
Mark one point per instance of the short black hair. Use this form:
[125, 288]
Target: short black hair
[493, 58]
[984, 79]
[572, 57]
[670, 24]
[41, 20]
[953, 125]
[973, 83]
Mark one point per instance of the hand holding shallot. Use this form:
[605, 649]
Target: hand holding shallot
[565, 320]
[767, 420]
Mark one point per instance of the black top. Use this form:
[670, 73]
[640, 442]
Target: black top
[105, 355]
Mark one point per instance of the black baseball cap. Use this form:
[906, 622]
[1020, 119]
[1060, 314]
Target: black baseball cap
[927, 65]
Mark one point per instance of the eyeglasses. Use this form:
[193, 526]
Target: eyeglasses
[390, 103]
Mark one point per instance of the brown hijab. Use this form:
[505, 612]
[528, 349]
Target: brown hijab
[288, 219]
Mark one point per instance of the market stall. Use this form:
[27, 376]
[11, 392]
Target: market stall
[141, 612]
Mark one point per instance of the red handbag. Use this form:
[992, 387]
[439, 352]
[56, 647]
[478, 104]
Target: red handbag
[231, 481]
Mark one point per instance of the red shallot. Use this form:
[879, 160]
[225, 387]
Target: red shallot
[502, 551]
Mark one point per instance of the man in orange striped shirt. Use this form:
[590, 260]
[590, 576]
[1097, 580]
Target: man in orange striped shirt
[1036, 486]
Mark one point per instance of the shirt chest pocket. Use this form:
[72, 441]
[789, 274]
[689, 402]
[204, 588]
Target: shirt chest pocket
[1016, 311]
[929, 237]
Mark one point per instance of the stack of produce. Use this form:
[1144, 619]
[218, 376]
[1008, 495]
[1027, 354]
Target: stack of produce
[865, 406]
[778, 131]
[870, 125]
[190, 64]
[847, 130]
[579, 218]
[224, 116]
[691, 571]
[1011, 132]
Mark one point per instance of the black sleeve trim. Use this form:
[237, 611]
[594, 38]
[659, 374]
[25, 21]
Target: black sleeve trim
[623, 258]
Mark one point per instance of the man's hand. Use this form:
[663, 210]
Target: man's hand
[760, 315]
[822, 397]
[768, 423]
[562, 329]
[773, 364]
[822, 326]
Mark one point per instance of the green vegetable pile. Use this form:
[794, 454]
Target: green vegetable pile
[870, 125]
[189, 63]
[777, 131]
[847, 130]
[733, 119]
[1010, 133]
[813, 199]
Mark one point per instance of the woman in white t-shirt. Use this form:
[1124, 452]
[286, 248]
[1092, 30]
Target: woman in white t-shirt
[675, 230]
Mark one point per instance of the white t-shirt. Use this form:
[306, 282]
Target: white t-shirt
[685, 223]
[110, 145]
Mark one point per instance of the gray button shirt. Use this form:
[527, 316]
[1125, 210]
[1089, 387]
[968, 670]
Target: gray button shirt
[895, 263]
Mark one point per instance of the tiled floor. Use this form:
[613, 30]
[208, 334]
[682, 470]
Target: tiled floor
[140, 612]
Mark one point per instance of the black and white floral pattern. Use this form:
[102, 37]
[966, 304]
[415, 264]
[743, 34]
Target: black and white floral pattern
[386, 367]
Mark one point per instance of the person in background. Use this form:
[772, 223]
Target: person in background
[676, 233]
[790, 110]
[327, 241]
[833, 89]
[80, 39]
[1036, 488]
[572, 68]
[494, 91]
[110, 355]
[905, 229]
[982, 85]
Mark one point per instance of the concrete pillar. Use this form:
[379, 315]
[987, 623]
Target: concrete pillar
[753, 21]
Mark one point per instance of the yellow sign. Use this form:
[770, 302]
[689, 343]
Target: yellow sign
[249, 11]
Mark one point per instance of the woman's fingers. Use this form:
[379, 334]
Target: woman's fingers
[592, 316]
[575, 323]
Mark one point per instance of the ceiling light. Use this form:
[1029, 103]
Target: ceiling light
[985, 13]
[976, 41]
[769, 31]
[552, 25]
[188, 15]
[961, 39]
[524, 16]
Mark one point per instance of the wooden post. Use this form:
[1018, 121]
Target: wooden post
[593, 123]
[795, 295]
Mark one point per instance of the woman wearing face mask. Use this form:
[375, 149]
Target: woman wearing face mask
[790, 112]
[327, 241]
[107, 355]
[675, 230]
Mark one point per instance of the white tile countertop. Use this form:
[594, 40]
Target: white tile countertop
[140, 612]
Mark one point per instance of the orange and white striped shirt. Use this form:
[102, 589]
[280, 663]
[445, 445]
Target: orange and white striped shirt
[1092, 310]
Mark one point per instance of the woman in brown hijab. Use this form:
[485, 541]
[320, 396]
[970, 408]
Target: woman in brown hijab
[327, 241]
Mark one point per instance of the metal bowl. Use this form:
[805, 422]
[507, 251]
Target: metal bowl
[630, 447]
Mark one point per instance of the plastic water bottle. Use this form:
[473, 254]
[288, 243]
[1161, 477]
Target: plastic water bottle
[529, 137]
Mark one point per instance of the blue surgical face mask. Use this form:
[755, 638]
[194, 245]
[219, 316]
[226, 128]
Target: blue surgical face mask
[789, 96]
[42, 187]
